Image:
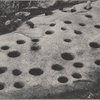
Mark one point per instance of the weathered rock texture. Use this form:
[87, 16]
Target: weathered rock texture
[53, 56]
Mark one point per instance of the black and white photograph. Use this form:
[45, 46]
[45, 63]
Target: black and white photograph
[49, 49]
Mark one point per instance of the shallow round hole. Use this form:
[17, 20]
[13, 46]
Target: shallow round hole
[67, 22]
[73, 10]
[78, 65]
[88, 16]
[14, 54]
[57, 67]
[67, 56]
[97, 26]
[77, 32]
[81, 24]
[35, 40]
[36, 71]
[62, 79]
[30, 24]
[20, 41]
[52, 24]
[97, 62]
[2, 86]
[35, 47]
[76, 75]
[49, 32]
[16, 72]
[3, 70]
[63, 28]
[94, 45]
[5, 47]
[18, 84]
[67, 40]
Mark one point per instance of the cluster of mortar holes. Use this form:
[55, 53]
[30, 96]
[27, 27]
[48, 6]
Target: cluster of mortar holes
[16, 72]
[2, 86]
[35, 40]
[62, 79]
[19, 85]
[52, 24]
[49, 32]
[14, 54]
[82, 24]
[67, 56]
[63, 28]
[97, 26]
[67, 22]
[20, 41]
[76, 75]
[97, 62]
[77, 32]
[78, 65]
[3, 70]
[36, 71]
[88, 16]
[94, 45]
[5, 47]
[57, 67]
[67, 40]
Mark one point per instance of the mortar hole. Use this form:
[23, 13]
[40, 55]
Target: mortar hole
[94, 45]
[30, 24]
[18, 84]
[67, 40]
[77, 32]
[16, 72]
[35, 47]
[78, 65]
[97, 62]
[3, 70]
[57, 67]
[62, 79]
[35, 40]
[2, 86]
[52, 24]
[67, 22]
[20, 41]
[81, 24]
[67, 56]
[97, 26]
[88, 16]
[49, 32]
[63, 28]
[14, 54]
[76, 75]
[36, 71]
[5, 47]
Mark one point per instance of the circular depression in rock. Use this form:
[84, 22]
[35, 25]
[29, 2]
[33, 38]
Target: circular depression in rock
[76, 75]
[67, 22]
[35, 40]
[36, 71]
[62, 79]
[16, 72]
[5, 47]
[97, 62]
[2, 86]
[77, 32]
[57, 67]
[20, 41]
[18, 84]
[3, 70]
[78, 64]
[49, 32]
[94, 45]
[67, 40]
[14, 54]
[67, 56]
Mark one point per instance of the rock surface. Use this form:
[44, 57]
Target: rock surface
[53, 56]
